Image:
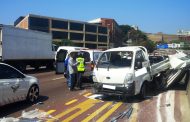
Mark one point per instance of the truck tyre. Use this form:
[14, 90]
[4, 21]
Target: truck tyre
[33, 94]
[143, 91]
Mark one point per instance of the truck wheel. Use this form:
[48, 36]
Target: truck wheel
[33, 93]
[143, 91]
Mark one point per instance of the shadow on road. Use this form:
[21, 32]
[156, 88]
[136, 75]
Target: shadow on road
[15, 107]
[33, 71]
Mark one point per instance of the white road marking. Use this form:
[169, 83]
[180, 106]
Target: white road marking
[159, 119]
[170, 99]
[58, 78]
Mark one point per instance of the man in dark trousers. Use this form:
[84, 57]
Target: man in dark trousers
[80, 69]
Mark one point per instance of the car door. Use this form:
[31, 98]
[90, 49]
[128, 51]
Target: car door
[13, 83]
[142, 71]
[60, 61]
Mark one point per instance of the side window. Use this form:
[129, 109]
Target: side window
[7, 72]
[140, 56]
[61, 55]
[86, 56]
[139, 59]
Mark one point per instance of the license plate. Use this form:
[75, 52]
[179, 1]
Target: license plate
[109, 87]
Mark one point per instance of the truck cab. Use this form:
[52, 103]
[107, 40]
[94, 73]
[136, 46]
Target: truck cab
[122, 71]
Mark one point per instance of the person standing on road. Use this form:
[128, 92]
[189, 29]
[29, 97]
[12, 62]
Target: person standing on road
[72, 64]
[66, 71]
[80, 69]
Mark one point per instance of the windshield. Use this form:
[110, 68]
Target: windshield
[96, 55]
[115, 59]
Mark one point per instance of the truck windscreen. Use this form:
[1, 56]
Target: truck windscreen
[115, 59]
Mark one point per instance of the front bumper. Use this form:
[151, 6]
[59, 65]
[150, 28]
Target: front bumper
[128, 90]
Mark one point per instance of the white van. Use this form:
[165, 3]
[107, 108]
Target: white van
[90, 56]
[61, 55]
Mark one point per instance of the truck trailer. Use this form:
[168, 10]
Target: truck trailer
[21, 47]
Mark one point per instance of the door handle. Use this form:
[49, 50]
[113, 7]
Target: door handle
[107, 77]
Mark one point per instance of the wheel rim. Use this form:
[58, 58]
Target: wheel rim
[34, 93]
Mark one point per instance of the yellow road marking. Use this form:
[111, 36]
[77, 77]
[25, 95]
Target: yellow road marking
[96, 112]
[84, 106]
[88, 94]
[106, 115]
[51, 111]
[70, 102]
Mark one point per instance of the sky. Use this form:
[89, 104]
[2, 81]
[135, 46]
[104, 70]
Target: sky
[151, 16]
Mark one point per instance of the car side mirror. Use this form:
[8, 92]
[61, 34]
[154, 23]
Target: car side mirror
[138, 65]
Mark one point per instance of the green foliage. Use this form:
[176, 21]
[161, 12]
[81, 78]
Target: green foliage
[138, 37]
[63, 42]
[176, 41]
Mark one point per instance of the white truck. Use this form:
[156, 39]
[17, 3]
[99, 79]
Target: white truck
[21, 47]
[128, 70]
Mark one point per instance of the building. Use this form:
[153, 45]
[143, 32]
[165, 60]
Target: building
[82, 34]
[115, 32]
[184, 35]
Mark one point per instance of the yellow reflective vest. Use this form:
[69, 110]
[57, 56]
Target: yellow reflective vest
[81, 66]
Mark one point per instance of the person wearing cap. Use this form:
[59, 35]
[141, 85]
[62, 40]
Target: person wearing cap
[80, 69]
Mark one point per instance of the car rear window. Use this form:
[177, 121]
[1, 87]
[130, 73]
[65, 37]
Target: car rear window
[86, 55]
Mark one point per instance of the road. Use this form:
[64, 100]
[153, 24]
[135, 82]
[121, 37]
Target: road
[81, 105]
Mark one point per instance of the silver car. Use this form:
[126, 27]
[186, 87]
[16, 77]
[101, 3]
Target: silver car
[16, 86]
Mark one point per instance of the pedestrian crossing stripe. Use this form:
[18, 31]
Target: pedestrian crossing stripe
[106, 115]
[51, 111]
[70, 102]
[88, 94]
[84, 106]
[96, 112]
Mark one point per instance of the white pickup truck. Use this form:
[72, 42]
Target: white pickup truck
[127, 71]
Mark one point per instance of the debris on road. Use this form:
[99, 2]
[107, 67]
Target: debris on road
[127, 113]
[39, 103]
[31, 116]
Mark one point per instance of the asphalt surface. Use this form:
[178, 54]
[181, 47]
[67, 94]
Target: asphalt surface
[83, 105]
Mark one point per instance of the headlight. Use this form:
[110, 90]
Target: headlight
[129, 78]
[94, 78]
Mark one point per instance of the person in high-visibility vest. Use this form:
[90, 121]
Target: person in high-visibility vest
[80, 69]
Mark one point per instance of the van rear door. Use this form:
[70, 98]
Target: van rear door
[60, 59]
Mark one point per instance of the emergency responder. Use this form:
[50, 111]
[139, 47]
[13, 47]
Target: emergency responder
[80, 69]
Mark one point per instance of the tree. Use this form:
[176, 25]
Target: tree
[138, 37]
[63, 42]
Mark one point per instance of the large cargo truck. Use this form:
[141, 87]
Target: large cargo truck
[21, 47]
